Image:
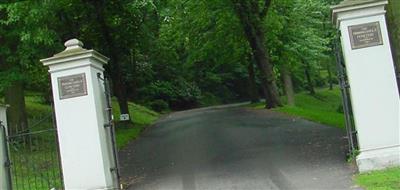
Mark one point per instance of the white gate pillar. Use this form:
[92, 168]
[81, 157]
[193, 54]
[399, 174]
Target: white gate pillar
[79, 101]
[370, 70]
[4, 177]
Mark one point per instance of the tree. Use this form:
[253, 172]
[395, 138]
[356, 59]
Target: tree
[305, 40]
[206, 47]
[114, 68]
[12, 85]
[114, 28]
[22, 41]
[177, 53]
[251, 18]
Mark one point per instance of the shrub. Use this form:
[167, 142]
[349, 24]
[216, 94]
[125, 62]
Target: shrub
[209, 99]
[179, 94]
[159, 105]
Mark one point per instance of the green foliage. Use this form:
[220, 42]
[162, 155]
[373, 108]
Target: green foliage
[208, 99]
[24, 40]
[353, 155]
[196, 48]
[159, 105]
[205, 47]
[300, 36]
[388, 179]
[179, 94]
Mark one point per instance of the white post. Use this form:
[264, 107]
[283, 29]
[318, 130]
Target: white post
[370, 70]
[4, 177]
[79, 101]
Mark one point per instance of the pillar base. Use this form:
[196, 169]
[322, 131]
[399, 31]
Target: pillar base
[378, 159]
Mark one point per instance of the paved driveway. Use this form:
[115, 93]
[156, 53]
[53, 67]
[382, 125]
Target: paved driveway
[236, 148]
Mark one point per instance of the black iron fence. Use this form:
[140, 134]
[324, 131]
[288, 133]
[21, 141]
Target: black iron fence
[110, 125]
[346, 101]
[34, 161]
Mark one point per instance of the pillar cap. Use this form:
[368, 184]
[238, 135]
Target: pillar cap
[73, 44]
[352, 5]
[74, 51]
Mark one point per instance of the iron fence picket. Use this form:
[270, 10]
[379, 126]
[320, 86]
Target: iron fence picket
[34, 156]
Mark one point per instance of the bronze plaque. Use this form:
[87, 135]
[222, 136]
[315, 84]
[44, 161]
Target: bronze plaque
[365, 35]
[72, 86]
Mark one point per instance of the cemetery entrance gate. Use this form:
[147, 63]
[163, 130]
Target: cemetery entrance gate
[33, 160]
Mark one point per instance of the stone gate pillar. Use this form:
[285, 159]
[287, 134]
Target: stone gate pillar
[370, 70]
[4, 175]
[79, 102]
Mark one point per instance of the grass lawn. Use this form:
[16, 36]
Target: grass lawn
[380, 180]
[141, 116]
[322, 108]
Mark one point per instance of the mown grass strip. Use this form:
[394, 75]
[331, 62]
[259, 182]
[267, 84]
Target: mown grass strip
[324, 107]
[388, 179]
[141, 117]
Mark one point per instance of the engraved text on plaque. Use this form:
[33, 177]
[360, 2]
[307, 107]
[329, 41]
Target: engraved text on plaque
[365, 35]
[72, 86]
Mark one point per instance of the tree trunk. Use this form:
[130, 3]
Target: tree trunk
[114, 68]
[250, 20]
[264, 91]
[310, 85]
[268, 79]
[133, 82]
[288, 84]
[16, 113]
[254, 97]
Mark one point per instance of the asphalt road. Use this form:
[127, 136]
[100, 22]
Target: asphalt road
[239, 149]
